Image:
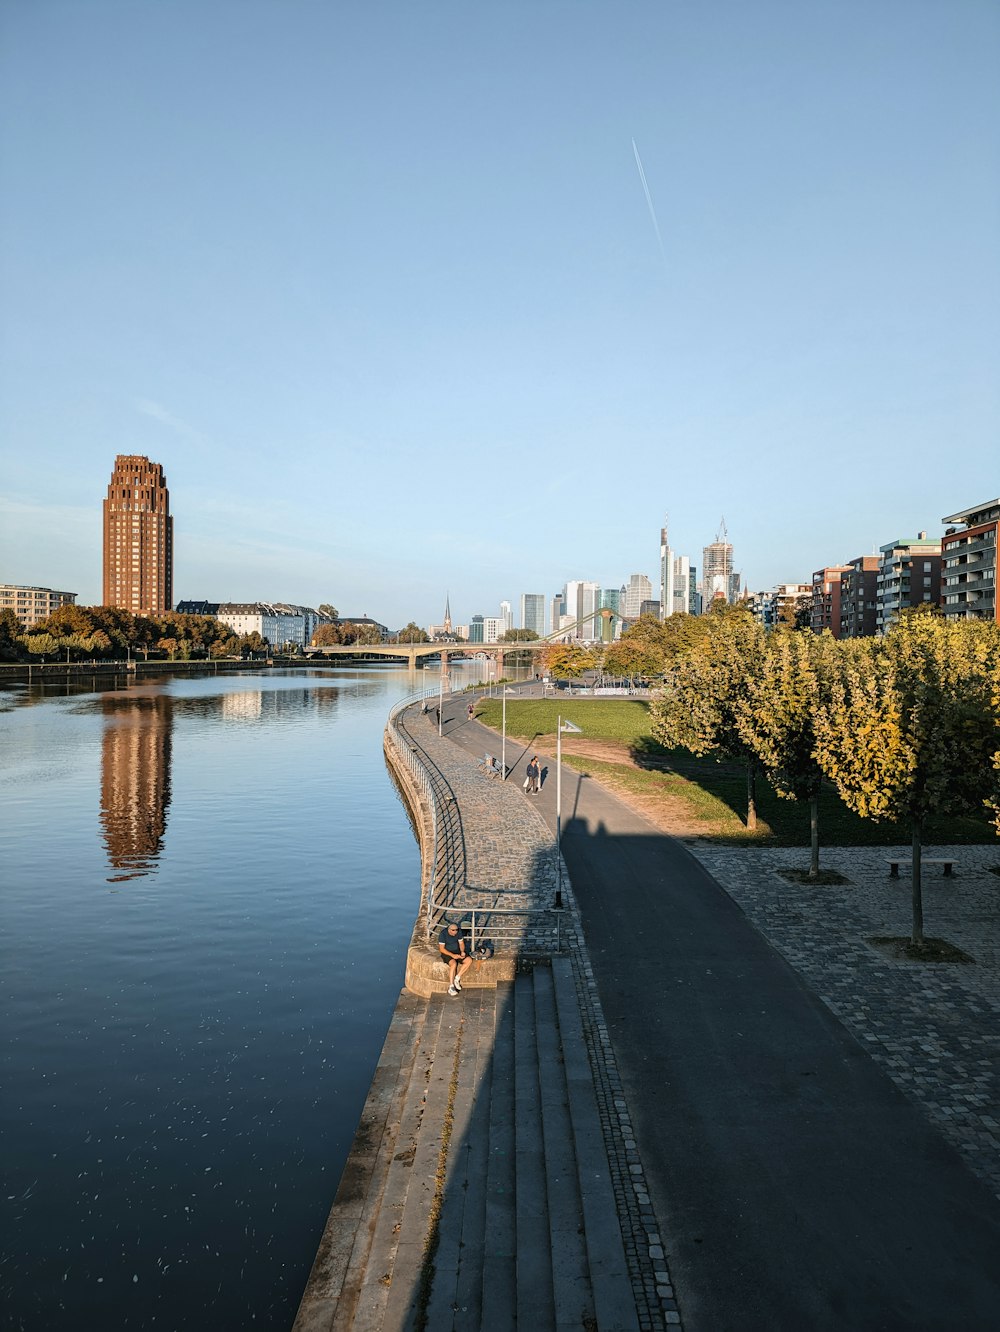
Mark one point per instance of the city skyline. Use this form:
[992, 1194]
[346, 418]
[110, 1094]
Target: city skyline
[382, 349]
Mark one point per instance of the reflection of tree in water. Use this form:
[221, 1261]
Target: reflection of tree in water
[135, 782]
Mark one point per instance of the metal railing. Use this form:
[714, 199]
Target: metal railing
[531, 928]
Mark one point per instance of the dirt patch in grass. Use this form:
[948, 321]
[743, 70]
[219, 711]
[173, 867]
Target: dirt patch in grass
[669, 801]
[931, 950]
[826, 878]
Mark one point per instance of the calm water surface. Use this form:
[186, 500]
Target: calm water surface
[208, 887]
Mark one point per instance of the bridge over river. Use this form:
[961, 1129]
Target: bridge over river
[414, 652]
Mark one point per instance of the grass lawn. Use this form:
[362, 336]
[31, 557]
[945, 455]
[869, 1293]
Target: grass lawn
[708, 795]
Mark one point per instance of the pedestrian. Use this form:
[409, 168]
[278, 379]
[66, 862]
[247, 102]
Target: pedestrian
[533, 775]
[470, 710]
[451, 945]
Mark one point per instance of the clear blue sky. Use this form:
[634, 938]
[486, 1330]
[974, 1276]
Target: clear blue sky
[378, 285]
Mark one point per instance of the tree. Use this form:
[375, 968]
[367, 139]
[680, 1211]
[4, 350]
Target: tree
[566, 661]
[11, 636]
[519, 636]
[326, 609]
[327, 635]
[705, 693]
[629, 656]
[777, 719]
[912, 726]
[413, 634]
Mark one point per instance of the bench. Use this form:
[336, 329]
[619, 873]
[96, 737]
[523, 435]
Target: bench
[924, 860]
[490, 766]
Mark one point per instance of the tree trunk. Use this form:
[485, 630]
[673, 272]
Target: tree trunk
[814, 836]
[751, 796]
[917, 933]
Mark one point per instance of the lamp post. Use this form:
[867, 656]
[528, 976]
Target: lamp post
[569, 727]
[440, 703]
[503, 741]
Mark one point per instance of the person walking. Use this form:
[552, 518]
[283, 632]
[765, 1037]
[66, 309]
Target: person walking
[533, 775]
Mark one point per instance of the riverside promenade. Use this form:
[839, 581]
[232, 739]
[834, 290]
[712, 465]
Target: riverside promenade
[768, 1122]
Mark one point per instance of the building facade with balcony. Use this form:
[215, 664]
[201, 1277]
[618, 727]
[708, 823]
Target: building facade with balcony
[969, 563]
[827, 586]
[859, 598]
[909, 574]
[31, 605]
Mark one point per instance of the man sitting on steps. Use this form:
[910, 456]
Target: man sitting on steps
[453, 951]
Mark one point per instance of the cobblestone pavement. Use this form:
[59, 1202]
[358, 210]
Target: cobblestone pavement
[509, 860]
[934, 1028]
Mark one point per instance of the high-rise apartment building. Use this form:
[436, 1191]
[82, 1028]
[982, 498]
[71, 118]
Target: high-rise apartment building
[506, 616]
[859, 598]
[969, 563]
[827, 587]
[31, 605]
[533, 612]
[138, 538]
[909, 574]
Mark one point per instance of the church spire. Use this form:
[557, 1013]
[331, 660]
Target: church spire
[447, 613]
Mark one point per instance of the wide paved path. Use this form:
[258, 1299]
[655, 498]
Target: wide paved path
[797, 1187]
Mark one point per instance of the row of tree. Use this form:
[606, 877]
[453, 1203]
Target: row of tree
[86, 633]
[905, 727]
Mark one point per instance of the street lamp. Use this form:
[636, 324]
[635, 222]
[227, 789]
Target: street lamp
[440, 702]
[568, 727]
[503, 742]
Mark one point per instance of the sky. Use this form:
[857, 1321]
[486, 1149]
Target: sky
[380, 286]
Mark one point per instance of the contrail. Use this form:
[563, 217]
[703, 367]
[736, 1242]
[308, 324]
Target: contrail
[649, 202]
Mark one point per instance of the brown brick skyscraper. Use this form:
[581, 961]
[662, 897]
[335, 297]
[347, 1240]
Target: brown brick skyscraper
[138, 538]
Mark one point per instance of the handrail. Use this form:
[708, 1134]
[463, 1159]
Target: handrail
[446, 861]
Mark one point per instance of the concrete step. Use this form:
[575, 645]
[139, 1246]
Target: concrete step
[417, 1218]
[533, 1268]
[614, 1302]
[497, 1312]
[456, 1290]
[344, 1249]
[571, 1293]
[369, 1314]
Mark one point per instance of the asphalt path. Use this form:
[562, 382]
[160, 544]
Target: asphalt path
[797, 1187]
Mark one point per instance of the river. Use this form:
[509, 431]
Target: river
[209, 884]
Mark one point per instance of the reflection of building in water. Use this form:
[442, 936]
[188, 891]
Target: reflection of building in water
[135, 782]
[242, 706]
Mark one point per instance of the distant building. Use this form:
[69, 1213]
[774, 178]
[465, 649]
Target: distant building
[493, 627]
[909, 574]
[557, 611]
[138, 538]
[718, 576]
[533, 612]
[210, 608]
[476, 629]
[31, 605]
[580, 601]
[639, 589]
[859, 598]
[826, 593]
[506, 617]
[650, 608]
[969, 563]
[788, 603]
[281, 624]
